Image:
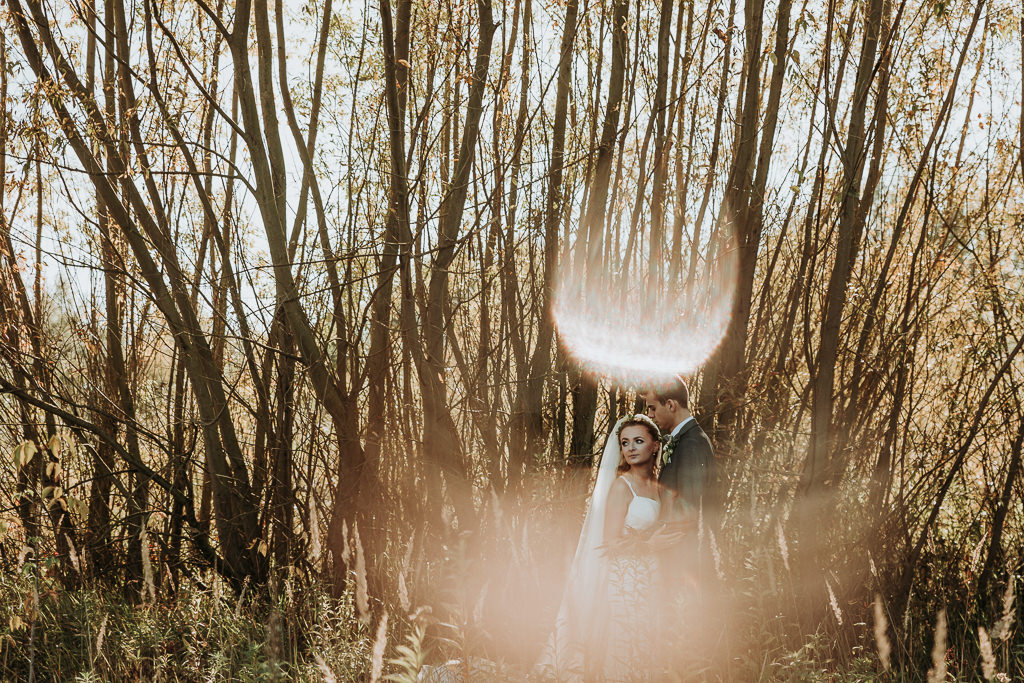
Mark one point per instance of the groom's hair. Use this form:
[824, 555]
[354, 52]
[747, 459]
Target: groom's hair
[675, 390]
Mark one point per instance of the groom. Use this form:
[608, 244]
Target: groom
[687, 570]
[688, 462]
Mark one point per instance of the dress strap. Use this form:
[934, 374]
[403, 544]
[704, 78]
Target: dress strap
[626, 479]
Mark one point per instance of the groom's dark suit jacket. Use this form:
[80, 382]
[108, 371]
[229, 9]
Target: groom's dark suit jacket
[692, 474]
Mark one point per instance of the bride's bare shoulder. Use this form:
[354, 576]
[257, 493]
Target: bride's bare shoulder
[619, 486]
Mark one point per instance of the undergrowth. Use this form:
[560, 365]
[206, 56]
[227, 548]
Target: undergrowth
[292, 629]
[207, 634]
[210, 634]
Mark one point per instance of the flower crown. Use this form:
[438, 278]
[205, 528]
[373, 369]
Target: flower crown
[639, 417]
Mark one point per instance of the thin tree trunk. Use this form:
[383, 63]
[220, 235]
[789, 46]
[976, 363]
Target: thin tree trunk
[236, 518]
[724, 383]
[817, 466]
[441, 443]
[995, 545]
[592, 231]
[529, 402]
[662, 145]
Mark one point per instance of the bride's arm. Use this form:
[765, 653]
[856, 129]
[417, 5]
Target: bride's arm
[615, 516]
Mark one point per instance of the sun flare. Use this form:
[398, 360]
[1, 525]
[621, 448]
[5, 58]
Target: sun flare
[631, 327]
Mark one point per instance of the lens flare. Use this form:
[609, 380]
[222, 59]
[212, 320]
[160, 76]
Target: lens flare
[635, 325]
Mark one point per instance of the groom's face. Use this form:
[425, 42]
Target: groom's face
[661, 413]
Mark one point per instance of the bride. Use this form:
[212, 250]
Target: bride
[606, 625]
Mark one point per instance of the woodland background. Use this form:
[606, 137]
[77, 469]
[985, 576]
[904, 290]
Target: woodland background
[279, 386]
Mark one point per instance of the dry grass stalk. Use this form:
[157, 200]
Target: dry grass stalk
[1001, 630]
[881, 633]
[241, 597]
[73, 555]
[700, 529]
[98, 647]
[403, 587]
[23, 554]
[403, 593]
[834, 603]
[147, 564]
[988, 660]
[288, 592]
[314, 531]
[407, 557]
[716, 554]
[362, 594]
[937, 673]
[346, 553]
[906, 612]
[783, 548]
[379, 644]
[329, 676]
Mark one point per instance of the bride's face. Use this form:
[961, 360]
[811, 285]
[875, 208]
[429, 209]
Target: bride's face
[637, 445]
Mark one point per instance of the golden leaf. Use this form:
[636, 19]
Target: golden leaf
[23, 453]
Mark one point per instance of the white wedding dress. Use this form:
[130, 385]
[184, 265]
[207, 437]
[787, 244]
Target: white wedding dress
[630, 615]
[607, 622]
[642, 512]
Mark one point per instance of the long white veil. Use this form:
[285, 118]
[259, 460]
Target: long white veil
[578, 616]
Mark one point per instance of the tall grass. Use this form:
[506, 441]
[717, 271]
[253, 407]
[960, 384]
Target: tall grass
[295, 632]
[484, 604]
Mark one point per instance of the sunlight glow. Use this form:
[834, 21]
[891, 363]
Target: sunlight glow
[637, 326]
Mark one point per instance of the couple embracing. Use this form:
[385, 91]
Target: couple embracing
[637, 563]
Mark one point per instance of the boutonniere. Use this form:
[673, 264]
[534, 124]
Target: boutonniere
[668, 445]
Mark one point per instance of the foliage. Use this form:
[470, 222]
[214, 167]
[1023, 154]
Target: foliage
[96, 633]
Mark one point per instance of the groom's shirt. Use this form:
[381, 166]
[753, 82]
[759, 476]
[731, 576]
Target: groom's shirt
[679, 427]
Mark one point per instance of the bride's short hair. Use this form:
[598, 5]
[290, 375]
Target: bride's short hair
[638, 420]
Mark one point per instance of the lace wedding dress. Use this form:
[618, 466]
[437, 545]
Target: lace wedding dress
[630, 621]
[606, 625]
